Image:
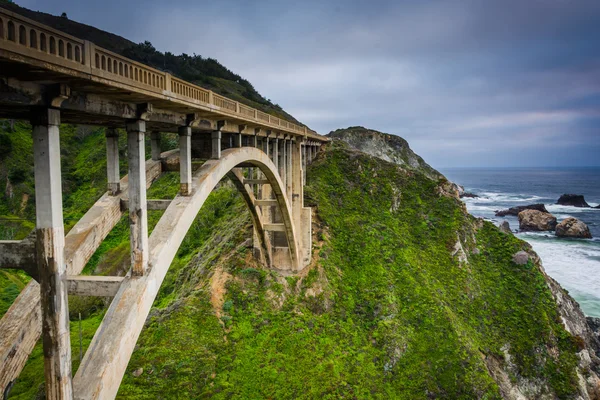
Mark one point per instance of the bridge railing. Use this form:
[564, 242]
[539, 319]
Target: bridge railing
[39, 42]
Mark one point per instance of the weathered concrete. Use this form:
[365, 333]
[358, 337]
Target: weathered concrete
[216, 145]
[19, 254]
[151, 205]
[112, 161]
[185, 160]
[21, 326]
[50, 246]
[261, 241]
[90, 285]
[274, 227]
[266, 202]
[155, 145]
[138, 213]
[288, 171]
[256, 181]
[103, 366]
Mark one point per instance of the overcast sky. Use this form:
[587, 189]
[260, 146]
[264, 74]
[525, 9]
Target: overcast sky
[467, 83]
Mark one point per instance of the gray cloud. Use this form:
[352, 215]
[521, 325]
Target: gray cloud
[466, 82]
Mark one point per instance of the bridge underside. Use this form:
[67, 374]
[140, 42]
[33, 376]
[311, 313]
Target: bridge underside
[48, 77]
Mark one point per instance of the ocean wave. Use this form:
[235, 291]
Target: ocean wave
[558, 208]
[573, 263]
[505, 198]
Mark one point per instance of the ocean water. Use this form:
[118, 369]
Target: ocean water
[574, 263]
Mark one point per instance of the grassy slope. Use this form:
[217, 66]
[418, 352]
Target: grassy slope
[387, 312]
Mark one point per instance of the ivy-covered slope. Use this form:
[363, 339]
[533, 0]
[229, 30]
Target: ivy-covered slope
[408, 296]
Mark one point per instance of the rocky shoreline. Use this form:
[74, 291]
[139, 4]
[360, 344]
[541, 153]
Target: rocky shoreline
[536, 218]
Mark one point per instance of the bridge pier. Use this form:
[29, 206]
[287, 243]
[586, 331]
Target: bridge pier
[216, 144]
[112, 161]
[155, 145]
[50, 246]
[185, 160]
[288, 144]
[138, 213]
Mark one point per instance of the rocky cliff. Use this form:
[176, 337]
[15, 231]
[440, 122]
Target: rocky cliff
[387, 147]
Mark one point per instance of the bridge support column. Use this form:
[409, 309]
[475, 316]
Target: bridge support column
[112, 161]
[185, 160]
[265, 191]
[216, 144]
[302, 216]
[304, 163]
[50, 245]
[155, 145]
[282, 162]
[138, 213]
[237, 140]
[288, 144]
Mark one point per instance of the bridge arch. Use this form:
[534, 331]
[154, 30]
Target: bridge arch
[105, 362]
[213, 171]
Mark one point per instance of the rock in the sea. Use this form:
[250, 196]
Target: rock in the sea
[534, 220]
[505, 227]
[516, 210]
[520, 258]
[574, 228]
[468, 194]
[575, 200]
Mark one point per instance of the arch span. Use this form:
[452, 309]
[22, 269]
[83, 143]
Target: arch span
[105, 362]
[237, 178]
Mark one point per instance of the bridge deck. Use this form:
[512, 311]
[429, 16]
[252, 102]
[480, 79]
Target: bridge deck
[105, 87]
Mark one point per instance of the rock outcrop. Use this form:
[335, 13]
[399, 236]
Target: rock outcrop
[469, 194]
[505, 227]
[575, 200]
[534, 220]
[385, 146]
[573, 228]
[516, 210]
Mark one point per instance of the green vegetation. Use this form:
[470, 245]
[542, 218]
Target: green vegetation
[386, 311]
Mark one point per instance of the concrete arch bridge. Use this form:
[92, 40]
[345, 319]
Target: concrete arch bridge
[49, 77]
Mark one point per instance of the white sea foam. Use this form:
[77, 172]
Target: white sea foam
[557, 208]
[495, 197]
[573, 263]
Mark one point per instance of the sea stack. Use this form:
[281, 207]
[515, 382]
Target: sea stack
[534, 220]
[573, 228]
[516, 210]
[575, 200]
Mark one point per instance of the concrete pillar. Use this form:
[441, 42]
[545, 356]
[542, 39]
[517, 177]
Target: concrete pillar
[112, 161]
[276, 153]
[282, 162]
[298, 191]
[216, 144]
[237, 140]
[289, 170]
[50, 245]
[155, 145]
[185, 160]
[304, 163]
[138, 213]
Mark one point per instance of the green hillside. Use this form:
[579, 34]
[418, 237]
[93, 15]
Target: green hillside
[388, 309]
